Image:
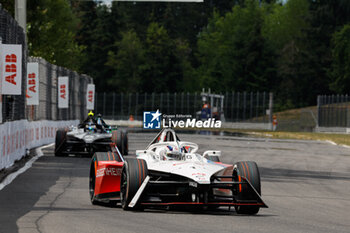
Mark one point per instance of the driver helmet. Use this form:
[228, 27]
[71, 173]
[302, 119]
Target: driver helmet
[91, 114]
[99, 117]
[164, 151]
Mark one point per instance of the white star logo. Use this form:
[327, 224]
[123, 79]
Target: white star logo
[155, 115]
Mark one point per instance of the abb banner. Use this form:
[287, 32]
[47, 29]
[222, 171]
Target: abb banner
[17, 136]
[32, 92]
[90, 97]
[11, 69]
[63, 92]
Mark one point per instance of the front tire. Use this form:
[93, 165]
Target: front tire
[250, 171]
[60, 142]
[92, 180]
[133, 174]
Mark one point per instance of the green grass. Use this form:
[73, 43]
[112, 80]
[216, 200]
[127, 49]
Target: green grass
[341, 139]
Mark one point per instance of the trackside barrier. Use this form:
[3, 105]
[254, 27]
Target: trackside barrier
[17, 136]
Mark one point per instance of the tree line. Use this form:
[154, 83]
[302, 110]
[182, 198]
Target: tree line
[296, 48]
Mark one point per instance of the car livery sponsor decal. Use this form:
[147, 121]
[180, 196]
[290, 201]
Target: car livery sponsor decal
[109, 171]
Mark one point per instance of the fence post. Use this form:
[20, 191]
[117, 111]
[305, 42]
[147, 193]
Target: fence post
[168, 103]
[318, 111]
[113, 106]
[194, 105]
[257, 104]
[263, 107]
[161, 102]
[137, 104]
[174, 102]
[152, 101]
[237, 109]
[121, 105]
[145, 104]
[182, 102]
[251, 106]
[232, 105]
[129, 108]
[271, 110]
[244, 104]
[188, 103]
[104, 104]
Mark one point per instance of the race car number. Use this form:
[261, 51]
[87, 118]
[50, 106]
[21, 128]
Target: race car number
[108, 172]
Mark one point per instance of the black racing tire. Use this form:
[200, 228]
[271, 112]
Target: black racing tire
[60, 142]
[125, 142]
[249, 170]
[133, 174]
[117, 138]
[92, 179]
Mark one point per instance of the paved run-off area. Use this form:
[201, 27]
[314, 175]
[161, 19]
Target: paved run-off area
[305, 183]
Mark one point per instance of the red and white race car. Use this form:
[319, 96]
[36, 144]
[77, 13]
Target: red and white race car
[170, 172]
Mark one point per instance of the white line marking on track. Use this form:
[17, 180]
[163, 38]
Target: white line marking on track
[331, 142]
[12, 176]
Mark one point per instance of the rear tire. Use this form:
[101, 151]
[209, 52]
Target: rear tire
[60, 142]
[125, 142]
[249, 170]
[133, 174]
[118, 139]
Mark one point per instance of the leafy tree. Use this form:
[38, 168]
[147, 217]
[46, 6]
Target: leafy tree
[158, 70]
[127, 62]
[51, 34]
[232, 51]
[340, 71]
[8, 5]
[285, 31]
[286, 22]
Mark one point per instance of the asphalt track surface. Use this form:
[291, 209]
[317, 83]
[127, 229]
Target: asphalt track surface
[305, 183]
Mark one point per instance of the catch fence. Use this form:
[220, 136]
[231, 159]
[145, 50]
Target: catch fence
[48, 93]
[237, 106]
[333, 111]
[14, 106]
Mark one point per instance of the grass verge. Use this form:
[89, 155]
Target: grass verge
[340, 139]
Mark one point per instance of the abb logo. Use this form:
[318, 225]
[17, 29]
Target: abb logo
[32, 82]
[10, 68]
[63, 91]
[90, 96]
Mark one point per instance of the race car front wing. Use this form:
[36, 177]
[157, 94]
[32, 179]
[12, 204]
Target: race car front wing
[144, 194]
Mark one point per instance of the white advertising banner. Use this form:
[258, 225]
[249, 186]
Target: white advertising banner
[32, 92]
[17, 136]
[11, 69]
[63, 92]
[90, 97]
